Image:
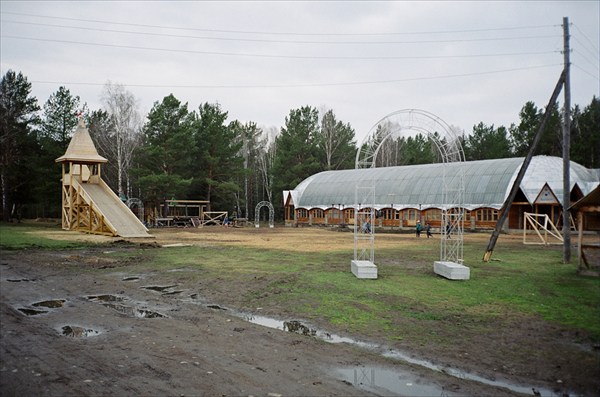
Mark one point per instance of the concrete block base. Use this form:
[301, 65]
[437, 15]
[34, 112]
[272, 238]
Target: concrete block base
[451, 270]
[364, 269]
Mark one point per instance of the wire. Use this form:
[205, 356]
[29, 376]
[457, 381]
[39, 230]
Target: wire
[596, 77]
[282, 41]
[595, 64]
[583, 46]
[278, 56]
[594, 46]
[282, 33]
[252, 86]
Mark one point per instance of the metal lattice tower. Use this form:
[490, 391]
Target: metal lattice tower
[404, 124]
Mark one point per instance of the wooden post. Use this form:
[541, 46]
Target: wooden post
[580, 238]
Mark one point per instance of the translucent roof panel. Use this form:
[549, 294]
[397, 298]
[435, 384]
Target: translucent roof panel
[487, 183]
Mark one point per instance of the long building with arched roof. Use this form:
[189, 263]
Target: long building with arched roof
[405, 194]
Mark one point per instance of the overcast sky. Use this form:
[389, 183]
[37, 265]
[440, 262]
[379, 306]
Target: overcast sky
[465, 62]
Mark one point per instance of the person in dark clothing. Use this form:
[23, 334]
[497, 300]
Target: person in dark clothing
[419, 228]
[428, 229]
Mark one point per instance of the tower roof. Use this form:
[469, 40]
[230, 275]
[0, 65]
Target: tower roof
[81, 148]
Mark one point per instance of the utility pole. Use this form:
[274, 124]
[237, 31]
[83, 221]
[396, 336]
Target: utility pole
[566, 147]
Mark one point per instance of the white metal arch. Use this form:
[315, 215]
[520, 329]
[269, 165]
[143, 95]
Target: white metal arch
[401, 124]
[257, 213]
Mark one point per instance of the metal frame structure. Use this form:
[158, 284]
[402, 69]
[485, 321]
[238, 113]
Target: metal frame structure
[257, 213]
[400, 124]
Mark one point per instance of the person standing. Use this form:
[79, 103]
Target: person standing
[419, 228]
[428, 229]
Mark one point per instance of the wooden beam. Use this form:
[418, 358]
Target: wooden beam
[515, 187]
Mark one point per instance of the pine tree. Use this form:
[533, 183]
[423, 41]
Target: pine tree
[18, 146]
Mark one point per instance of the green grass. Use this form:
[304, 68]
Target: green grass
[522, 281]
[407, 300]
[22, 236]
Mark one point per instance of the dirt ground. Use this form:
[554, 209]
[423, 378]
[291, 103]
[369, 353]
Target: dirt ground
[67, 331]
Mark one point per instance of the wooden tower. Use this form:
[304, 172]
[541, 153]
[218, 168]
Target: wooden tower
[81, 164]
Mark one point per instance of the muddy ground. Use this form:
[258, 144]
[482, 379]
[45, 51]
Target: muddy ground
[65, 330]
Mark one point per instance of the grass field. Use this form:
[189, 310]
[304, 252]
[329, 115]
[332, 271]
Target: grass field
[306, 272]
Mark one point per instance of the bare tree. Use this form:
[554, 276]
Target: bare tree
[266, 159]
[123, 135]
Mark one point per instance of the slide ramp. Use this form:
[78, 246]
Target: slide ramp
[115, 212]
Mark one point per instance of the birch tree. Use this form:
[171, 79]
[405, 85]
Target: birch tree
[124, 134]
[266, 160]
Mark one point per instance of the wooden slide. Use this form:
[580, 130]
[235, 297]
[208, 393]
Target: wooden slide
[116, 214]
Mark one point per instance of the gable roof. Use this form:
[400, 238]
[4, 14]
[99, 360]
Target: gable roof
[591, 200]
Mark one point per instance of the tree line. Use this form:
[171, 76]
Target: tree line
[177, 152]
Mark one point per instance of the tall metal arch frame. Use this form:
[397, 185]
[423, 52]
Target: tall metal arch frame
[400, 124]
[257, 213]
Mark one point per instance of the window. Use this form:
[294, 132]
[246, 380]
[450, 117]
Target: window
[389, 214]
[317, 213]
[487, 215]
[302, 213]
[411, 215]
[433, 214]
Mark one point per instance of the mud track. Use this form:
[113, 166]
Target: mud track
[66, 331]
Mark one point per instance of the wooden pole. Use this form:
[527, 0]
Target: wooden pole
[521, 174]
[580, 238]
[566, 148]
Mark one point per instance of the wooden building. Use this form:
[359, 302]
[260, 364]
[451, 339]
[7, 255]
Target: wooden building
[407, 194]
[587, 213]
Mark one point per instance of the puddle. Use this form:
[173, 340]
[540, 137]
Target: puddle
[216, 307]
[457, 373]
[51, 304]
[159, 288]
[78, 332]
[105, 298]
[113, 302]
[142, 313]
[303, 329]
[172, 292]
[298, 328]
[384, 381]
[134, 312]
[17, 280]
[32, 312]
[133, 278]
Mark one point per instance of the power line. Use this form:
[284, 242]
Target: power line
[595, 64]
[586, 72]
[278, 56]
[355, 83]
[594, 46]
[283, 33]
[594, 54]
[284, 41]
